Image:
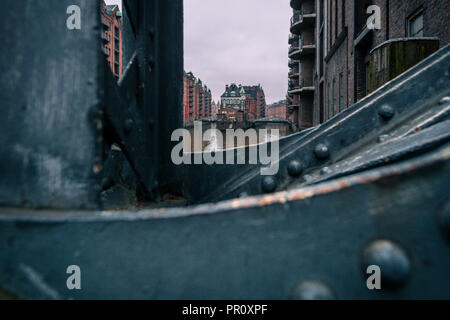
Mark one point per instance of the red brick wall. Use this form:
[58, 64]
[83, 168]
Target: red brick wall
[436, 19]
[261, 104]
[278, 111]
[111, 45]
[201, 98]
[394, 14]
[250, 107]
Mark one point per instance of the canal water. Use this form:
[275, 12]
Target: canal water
[215, 140]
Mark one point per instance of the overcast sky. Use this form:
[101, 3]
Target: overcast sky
[240, 41]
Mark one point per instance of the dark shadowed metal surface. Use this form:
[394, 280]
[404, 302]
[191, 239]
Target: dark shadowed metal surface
[370, 186]
[62, 108]
[50, 106]
[145, 108]
[254, 248]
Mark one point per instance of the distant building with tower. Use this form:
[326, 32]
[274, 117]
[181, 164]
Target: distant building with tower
[250, 100]
[197, 99]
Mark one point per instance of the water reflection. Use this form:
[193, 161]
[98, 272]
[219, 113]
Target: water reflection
[217, 139]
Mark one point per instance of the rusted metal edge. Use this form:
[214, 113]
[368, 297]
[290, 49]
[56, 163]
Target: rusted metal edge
[378, 175]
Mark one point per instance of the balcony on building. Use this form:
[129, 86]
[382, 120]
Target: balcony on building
[294, 102]
[302, 86]
[395, 56]
[292, 38]
[301, 19]
[297, 4]
[105, 36]
[302, 48]
[293, 63]
[292, 85]
[105, 22]
[294, 72]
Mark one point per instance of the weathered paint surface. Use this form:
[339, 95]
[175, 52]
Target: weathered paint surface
[254, 248]
[394, 57]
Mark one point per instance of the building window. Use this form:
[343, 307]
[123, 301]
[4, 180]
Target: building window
[322, 13]
[367, 78]
[415, 25]
[335, 19]
[329, 100]
[341, 91]
[330, 26]
[334, 95]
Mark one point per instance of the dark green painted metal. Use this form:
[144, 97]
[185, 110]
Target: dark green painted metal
[254, 248]
[137, 109]
[62, 109]
[385, 177]
[50, 106]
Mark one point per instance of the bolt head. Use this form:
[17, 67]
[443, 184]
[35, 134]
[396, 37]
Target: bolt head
[444, 100]
[269, 184]
[107, 183]
[295, 168]
[322, 152]
[386, 112]
[383, 138]
[394, 263]
[313, 290]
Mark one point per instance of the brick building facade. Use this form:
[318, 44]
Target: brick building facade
[112, 37]
[331, 48]
[250, 100]
[255, 102]
[277, 110]
[197, 99]
[230, 114]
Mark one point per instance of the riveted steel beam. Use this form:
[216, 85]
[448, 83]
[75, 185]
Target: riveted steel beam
[51, 126]
[62, 109]
[307, 242]
[136, 108]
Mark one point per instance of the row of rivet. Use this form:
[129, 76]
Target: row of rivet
[394, 264]
[321, 151]
[390, 257]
